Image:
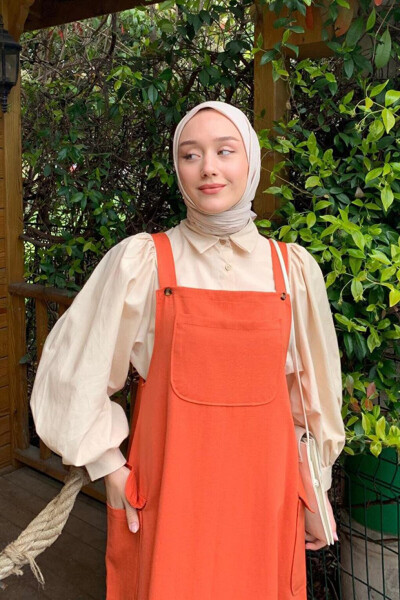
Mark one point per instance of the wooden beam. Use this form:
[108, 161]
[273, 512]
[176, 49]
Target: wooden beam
[47, 13]
[42, 292]
[14, 14]
[12, 308]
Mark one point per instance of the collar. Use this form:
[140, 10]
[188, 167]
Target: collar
[246, 239]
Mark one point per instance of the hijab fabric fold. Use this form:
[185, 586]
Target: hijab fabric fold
[236, 217]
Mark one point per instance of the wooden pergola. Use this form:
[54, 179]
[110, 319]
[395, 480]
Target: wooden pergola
[27, 15]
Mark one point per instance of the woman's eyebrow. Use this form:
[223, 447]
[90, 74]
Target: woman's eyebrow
[224, 138]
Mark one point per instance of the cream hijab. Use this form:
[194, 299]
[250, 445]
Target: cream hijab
[237, 216]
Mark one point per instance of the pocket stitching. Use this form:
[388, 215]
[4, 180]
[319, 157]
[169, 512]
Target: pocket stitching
[296, 590]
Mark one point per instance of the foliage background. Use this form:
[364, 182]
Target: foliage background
[101, 99]
[340, 199]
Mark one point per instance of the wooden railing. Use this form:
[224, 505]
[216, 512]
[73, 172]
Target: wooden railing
[41, 457]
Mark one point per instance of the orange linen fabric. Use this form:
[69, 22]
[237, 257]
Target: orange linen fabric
[213, 457]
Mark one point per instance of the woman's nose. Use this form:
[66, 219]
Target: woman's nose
[208, 167]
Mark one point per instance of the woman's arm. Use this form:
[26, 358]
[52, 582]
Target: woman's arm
[318, 359]
[86, 358]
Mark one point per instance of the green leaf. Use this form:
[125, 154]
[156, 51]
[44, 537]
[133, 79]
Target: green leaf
[365, 423]
[376, 130]
[387, 196]
[373, 174]
[348, 66]
[380, 428]
[394, 297]
[311, 219]
[373, 340]
[349, 451]
[378, 88]
[330, 279]
[355, 32]
[294, 48]
[383, 50]
[355, 264]
[204, 77]
[263, 223]
[348, 342]
[344, 321]
[312, 181]
[357, 290]
[376, 448]
[368, 102]
[388, 119]
[391, 97]
[388, 273]
[267, 56]
[76, 197]
[152, 94]
[371, 20]
[359, 239]
[322, 204]
[380, 257]
[346, 99]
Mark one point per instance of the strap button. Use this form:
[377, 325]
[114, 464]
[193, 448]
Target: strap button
[283, 297]
[167, 291]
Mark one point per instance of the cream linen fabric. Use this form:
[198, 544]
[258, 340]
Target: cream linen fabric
[111, 322]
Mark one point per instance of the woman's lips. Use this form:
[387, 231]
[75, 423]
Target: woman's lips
[211, 189]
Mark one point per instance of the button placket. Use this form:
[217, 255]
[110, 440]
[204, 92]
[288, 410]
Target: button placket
[227, 255]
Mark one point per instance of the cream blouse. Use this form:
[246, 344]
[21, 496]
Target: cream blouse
[111, 323]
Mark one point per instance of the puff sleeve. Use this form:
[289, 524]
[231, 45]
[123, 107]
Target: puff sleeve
[318, 359]
[86, 358]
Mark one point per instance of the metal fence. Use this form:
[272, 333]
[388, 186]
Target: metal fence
[365, 564]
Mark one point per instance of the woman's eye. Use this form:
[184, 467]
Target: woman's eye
[225, 150]
[188, 156]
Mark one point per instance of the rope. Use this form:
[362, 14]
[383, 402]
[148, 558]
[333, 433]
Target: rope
[43, 530]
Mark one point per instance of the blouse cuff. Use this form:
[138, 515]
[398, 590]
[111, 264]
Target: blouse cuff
[108, 462]
[326, 478]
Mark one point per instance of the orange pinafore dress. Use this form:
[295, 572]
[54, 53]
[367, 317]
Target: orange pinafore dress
[213, 458]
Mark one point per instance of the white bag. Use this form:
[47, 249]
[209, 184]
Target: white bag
[318, 521]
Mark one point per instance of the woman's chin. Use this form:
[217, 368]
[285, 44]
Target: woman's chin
[213, 207]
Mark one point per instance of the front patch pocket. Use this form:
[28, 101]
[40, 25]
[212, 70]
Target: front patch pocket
[226, 363]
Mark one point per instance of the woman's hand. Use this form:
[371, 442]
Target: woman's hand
[115, 489]
[313, 543]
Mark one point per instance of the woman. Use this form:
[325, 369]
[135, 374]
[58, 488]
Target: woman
[209, 504]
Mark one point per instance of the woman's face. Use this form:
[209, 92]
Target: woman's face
[212, 162]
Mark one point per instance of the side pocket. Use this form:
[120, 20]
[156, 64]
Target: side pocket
[122, 556]
[298, 579]
[134, 497]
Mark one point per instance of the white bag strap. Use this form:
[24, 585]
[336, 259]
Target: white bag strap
[292, 340]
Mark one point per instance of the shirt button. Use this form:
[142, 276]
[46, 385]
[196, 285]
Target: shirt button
[222, 242]
[228, 267]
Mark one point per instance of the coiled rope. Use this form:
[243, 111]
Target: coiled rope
[43, 531]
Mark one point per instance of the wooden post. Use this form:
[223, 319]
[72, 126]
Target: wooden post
[272, 97]
[13, 393]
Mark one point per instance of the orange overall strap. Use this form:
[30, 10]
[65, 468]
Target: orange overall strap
[276, 265]
[165, 260]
